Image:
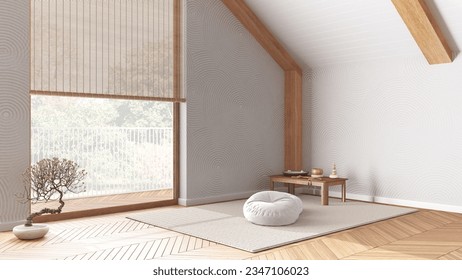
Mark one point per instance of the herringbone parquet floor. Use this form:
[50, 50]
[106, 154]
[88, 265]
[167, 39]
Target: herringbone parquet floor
[423, 235]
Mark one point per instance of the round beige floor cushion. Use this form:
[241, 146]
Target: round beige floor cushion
[271, 208]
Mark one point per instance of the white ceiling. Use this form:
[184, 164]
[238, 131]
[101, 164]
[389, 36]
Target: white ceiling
[325, 32]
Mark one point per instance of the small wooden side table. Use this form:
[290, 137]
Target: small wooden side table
[323, 182]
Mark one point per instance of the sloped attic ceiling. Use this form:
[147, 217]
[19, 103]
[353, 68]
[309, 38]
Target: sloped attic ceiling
[320, 33]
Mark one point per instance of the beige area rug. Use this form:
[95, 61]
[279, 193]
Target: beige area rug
[224, 222]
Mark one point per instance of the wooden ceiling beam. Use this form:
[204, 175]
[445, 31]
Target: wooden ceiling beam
[253, 24]
[423, 27]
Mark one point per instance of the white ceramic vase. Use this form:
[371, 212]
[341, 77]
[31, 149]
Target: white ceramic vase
[33, 232]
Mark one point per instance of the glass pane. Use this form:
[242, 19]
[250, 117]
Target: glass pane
[125, 146]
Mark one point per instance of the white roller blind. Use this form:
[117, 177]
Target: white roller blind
[117, 48]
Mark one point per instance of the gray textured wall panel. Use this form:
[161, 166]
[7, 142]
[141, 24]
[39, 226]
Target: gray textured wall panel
[14, 107]
[235, 105]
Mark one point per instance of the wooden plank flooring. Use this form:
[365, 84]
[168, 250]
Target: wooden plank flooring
[430, 235]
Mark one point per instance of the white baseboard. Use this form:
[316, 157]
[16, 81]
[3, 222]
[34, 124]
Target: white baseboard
[10, 225]
[400, 202]
[316, 191]
[214, 199]
[384, 200]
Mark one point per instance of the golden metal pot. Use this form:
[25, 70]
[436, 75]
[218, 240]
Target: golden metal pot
[316, 171]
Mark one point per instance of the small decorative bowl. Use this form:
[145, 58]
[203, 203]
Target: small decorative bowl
[317, 171]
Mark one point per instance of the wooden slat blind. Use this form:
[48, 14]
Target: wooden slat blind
[105, 48]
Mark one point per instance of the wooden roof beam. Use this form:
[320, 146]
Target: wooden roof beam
[423, 27]
[253, 24]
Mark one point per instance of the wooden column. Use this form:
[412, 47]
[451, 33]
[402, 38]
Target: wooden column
[293, 120]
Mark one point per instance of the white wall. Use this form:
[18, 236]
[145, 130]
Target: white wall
[235, 108]
[14, 109]
[393, 127]
[306, 121]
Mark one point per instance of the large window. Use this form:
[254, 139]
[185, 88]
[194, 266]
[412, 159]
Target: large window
[124, 145]
[104, 83]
